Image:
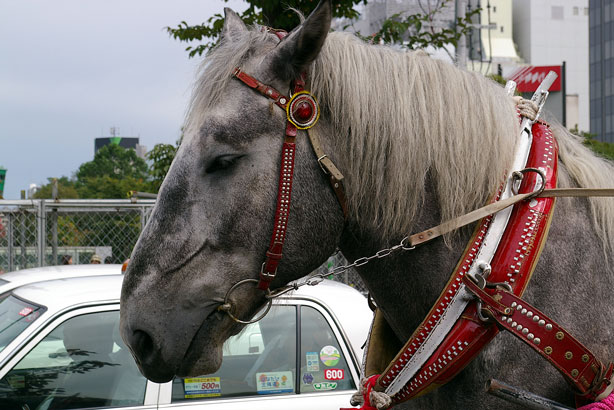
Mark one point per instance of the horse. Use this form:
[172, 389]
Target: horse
[419, 142]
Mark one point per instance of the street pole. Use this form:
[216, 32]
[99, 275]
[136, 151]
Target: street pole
[461, 48]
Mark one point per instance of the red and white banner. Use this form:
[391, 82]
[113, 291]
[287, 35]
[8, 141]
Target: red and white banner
[530, 77]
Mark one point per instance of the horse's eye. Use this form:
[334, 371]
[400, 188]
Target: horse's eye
[222, 162]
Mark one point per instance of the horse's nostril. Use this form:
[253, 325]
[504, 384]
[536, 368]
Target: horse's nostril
[142, 344]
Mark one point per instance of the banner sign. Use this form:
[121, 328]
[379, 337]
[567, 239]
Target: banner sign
[528, 78]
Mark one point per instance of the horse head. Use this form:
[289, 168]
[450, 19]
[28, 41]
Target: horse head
[214, 216]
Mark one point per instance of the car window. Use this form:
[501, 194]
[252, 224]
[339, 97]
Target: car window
[261, 360]
[323, 365]
[15, 316]
[82, 363]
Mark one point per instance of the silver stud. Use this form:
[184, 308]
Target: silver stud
[525, 331]
[504, 318]
[519, 327]
[519, 307]
[514, 304]
[514, 324]
[524, 311]
[530, 336]
[537, 340]
[548, 327]
[509, 320]
[529, 314]
[541, 322]
[536, 318]
[282, 100]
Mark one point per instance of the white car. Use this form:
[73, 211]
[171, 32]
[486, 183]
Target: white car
[60, 349]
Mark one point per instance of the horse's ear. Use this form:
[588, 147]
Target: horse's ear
[232, 24]
[303, 44]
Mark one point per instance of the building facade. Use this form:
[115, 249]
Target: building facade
[548, 32]
[601, 40]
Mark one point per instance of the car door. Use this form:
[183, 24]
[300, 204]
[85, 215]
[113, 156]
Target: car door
[294, 358]
[77, 361]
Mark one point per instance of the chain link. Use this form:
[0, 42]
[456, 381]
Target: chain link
[319, 277]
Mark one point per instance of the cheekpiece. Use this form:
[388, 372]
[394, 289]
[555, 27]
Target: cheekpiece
[303, 110]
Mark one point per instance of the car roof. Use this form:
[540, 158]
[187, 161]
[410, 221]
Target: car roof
[26, 276]
[346, 305]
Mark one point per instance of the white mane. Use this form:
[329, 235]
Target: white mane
[408, 117]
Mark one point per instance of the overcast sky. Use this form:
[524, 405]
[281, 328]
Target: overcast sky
[72, 69]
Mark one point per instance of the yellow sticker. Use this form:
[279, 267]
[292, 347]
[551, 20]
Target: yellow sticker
[202, 387]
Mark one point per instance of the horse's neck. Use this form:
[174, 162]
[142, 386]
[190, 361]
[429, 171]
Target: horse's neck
[406, 284]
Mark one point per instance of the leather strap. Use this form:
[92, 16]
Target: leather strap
[448, 226]
[335, 176]
[571, 358]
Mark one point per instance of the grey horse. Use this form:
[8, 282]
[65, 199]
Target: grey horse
[419, 142]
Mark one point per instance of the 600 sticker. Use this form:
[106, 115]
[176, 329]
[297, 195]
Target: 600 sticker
[333, 374]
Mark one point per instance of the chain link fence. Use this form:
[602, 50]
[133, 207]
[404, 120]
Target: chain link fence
[42, 232]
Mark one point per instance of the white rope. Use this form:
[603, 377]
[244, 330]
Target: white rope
[379, 400]
[526, 108]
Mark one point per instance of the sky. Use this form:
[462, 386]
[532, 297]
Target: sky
[72, 69]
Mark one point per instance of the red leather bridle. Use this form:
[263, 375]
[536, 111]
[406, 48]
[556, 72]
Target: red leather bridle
[302, 112]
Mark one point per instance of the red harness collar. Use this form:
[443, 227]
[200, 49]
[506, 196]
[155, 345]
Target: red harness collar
[510, 268]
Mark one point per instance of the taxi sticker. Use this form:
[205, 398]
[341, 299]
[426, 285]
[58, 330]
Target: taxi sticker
[313, 362]
[333, 374]
[274, 382]
[307, 378]
[202, 387]
[325, 386]
[329, 355]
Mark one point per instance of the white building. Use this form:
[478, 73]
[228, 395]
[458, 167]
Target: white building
[548, 32]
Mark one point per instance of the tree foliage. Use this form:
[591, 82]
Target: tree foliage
[161, 157]
[416, 31]
[115, 162]
[272, 13]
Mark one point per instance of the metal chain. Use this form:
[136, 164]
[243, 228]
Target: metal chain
[319, 277]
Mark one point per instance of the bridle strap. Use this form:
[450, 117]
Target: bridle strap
[334, 175]
[268, 270]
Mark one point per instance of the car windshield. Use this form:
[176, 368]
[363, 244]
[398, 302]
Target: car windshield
[15, 316]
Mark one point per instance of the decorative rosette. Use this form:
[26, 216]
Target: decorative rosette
[302, 110]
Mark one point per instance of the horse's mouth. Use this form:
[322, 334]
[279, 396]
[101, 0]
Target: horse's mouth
[204, 353]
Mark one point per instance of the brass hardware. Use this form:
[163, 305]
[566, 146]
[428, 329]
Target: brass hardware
[559, 335]
[548, 350]
[585, 358]
[568, 355]
[508, 311]
[575, 373]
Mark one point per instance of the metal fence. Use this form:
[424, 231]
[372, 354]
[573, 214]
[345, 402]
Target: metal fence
[41, 232]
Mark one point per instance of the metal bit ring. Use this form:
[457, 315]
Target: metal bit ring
[228, 306]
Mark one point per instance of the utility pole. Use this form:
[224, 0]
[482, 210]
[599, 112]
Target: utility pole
[461, 48]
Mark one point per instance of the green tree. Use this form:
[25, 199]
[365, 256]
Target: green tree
[412, 31]
[115, 162]
[66, 189]
[273, 13]
[161, 157]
